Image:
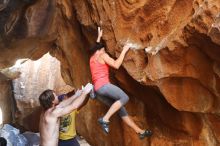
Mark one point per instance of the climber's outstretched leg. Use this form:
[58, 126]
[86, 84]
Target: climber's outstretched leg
[113, 92]
[142, 133]
[120, 98]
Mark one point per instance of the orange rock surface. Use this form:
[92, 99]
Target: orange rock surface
[175, 92]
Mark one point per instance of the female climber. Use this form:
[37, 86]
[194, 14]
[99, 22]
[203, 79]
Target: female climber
[110, 94]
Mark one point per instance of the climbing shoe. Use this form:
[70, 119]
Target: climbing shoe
[147, 133]
[104, 125]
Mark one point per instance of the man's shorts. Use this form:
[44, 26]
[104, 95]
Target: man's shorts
[69, 142]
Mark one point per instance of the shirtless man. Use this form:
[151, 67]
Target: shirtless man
[53, 110]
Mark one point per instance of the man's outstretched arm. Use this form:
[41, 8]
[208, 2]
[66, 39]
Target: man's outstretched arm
[60, 111]
[69, 100]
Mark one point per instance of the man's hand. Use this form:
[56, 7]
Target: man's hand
[78, 93]
[87, 88]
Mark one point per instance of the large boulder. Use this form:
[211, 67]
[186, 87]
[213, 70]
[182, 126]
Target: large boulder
[7, 105]
[172, 74]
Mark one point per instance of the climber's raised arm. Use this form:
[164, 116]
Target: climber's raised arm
[99, 35]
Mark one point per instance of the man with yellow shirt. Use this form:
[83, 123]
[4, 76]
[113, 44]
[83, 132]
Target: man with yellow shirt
[67, 134]
[67, 130]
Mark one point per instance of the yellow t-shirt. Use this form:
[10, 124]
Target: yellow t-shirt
[67, 126]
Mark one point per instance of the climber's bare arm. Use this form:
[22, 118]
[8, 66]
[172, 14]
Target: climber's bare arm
[115, 63]
[99, 35]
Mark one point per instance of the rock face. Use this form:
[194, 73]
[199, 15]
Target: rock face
[6, 104]
[35, 77]
[176, 92]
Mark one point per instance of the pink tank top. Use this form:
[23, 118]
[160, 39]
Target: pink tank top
[100, 73]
